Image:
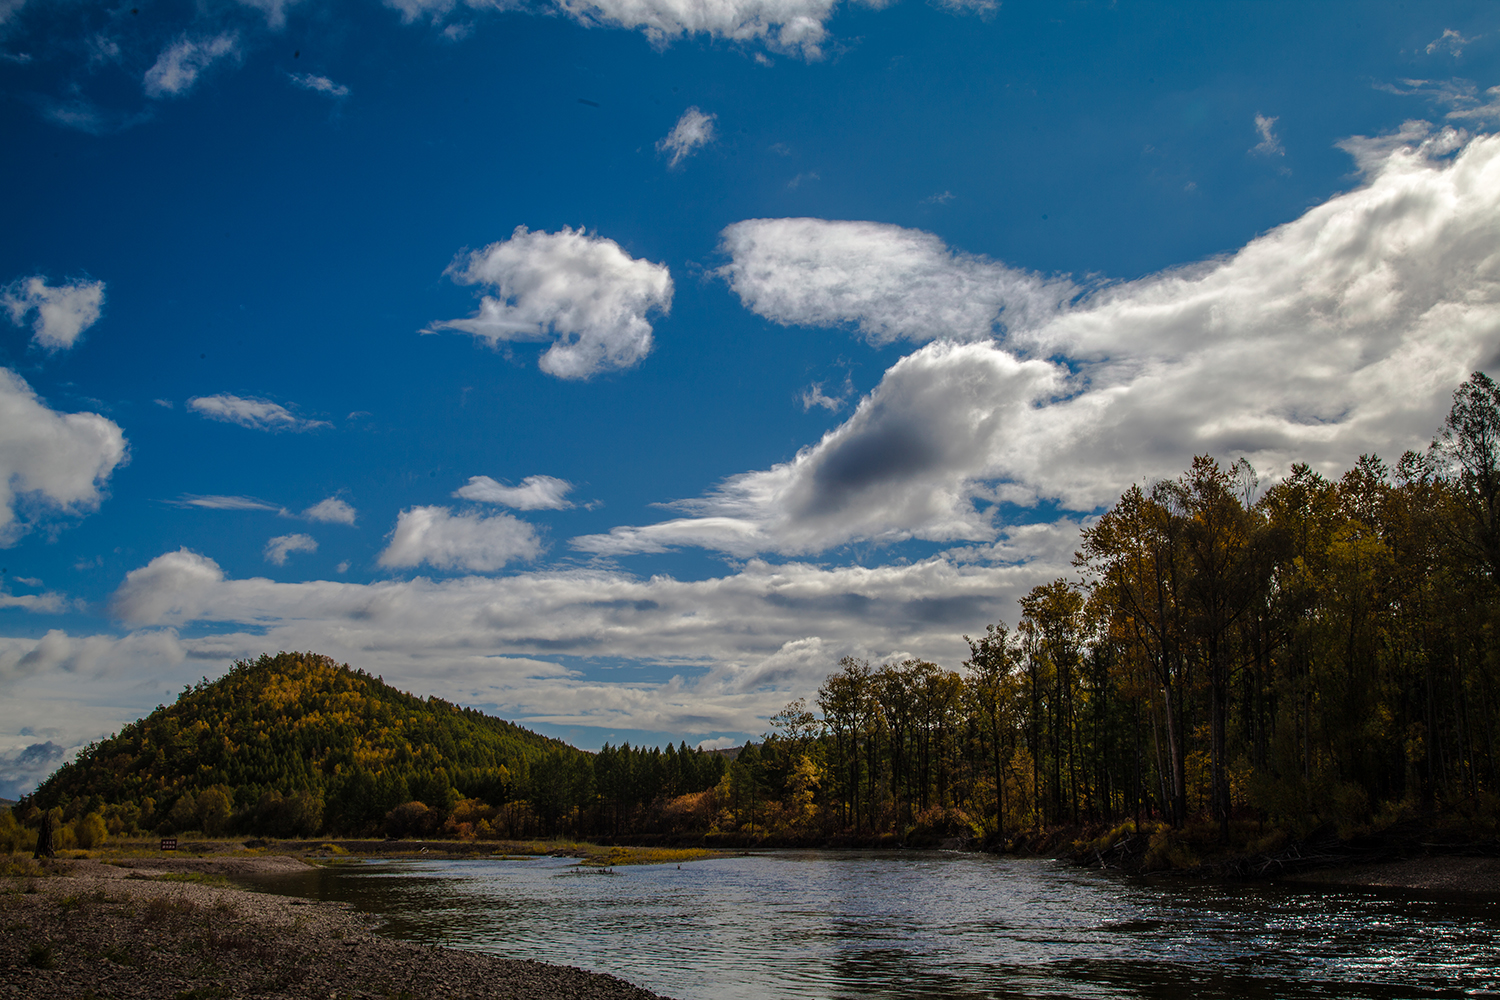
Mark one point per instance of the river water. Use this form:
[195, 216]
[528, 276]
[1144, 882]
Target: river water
[820, 924]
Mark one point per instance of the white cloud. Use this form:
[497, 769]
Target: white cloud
[331, 511]
[57, 462]
[9, 9]
[1450, 41]
[792, 26]
[583, 293]
[22, 770]
[278, 548]
[173, 585]
[692, 131]
[1342, 332]
[62, 313]
[49, 601]
[718, 743]
[275, 11]
[1269, 145]
[796, 27]
[256, 414]
[60, 691]
[901, 467]
[475, 542]
[224, 503]
[414, 10]
[888, 282]
[1461, 98]
[319, 84]
[742, 645]
[177, 69]
[534, 493]
[984, 8]
[814, 395]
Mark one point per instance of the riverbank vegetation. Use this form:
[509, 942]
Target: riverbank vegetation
[1230, 667]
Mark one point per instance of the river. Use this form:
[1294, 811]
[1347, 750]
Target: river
[822, 924]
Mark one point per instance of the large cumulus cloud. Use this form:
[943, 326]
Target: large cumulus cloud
[50, 462]
[888, 282]
[1341, 332]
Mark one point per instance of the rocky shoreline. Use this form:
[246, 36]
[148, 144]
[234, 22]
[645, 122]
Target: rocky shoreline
[143, 928]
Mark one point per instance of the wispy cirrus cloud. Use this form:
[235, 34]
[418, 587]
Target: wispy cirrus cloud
[1451, 42]
[211, 502]
[693, 131]
[179, 65]
[319, 85]
[1269, 144]
[274, 10]
[534, 493]
[256, 414]
[330, 511]
[1462, 100]
[814, 395]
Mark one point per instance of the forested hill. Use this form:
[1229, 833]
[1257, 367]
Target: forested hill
[298, 742]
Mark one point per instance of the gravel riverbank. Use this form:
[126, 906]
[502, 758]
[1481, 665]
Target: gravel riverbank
[143, 928]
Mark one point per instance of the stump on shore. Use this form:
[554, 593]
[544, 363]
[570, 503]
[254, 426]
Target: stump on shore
[45, 846]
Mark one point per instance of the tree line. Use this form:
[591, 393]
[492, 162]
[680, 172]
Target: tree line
[1320, 651]
[297, 745]
[1323, 651]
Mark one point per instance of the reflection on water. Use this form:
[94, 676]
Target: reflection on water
[887, 924]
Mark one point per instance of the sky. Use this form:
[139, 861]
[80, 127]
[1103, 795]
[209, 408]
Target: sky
[618, 366]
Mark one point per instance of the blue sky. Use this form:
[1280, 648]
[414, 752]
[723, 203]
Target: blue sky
[618, 367]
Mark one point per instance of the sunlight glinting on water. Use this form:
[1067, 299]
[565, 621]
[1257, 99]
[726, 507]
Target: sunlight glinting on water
[822, 925]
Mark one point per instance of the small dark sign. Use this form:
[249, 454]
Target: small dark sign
[169, 843]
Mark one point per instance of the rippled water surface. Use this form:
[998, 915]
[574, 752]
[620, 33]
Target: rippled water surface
[823, 924]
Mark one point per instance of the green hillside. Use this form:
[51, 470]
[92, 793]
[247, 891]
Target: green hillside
[296, 743]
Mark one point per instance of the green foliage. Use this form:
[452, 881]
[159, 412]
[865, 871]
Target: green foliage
[291, 745]
[89, 831]
[1324, 655]
[295, 745]
[13, 836]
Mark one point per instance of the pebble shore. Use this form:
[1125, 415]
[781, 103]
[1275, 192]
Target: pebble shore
[133, 930]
